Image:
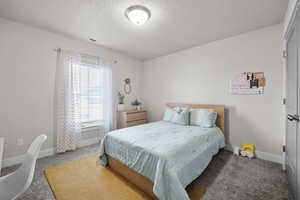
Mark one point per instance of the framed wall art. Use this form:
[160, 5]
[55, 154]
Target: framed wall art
[248, 83]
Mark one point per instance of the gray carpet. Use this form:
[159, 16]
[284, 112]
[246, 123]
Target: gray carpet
[227, 177]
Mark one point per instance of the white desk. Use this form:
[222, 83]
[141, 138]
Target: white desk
[1, 151]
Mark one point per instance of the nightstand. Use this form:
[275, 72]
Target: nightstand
[129, 118]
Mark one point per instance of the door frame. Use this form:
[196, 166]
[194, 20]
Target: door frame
[293, 28]
[286, 35]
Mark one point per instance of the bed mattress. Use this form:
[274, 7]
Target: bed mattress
[170, 155]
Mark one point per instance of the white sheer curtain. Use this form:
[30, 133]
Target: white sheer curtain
[105, 79]
[67, 101]
[67, 97]
[106, 94]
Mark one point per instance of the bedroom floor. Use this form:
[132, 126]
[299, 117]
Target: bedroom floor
[227, 177]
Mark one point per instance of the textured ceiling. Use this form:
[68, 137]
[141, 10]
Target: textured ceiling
[174, 25]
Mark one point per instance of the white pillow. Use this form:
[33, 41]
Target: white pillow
[177, 115]
[181, 116]
[205, 118]
[169, 113]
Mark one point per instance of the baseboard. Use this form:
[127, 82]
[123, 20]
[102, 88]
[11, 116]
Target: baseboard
[44, 153]
[262, 155]
[18, 159]
[89, 142]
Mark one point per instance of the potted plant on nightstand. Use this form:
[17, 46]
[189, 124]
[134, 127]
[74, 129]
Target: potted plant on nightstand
[136, 104]
[121, 105]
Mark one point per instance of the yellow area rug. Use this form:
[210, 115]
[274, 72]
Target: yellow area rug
[84, 180]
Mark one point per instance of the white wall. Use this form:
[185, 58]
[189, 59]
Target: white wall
[196, 75]
[201, 75]
[27, 76]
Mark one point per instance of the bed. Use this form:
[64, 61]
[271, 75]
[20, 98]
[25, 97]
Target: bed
[162, 158]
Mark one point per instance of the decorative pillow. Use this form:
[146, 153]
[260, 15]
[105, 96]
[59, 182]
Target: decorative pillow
[177, 115]
[205, 118]
[181, 116]
[169, 113]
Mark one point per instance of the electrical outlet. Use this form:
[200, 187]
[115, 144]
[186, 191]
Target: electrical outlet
[20, 142]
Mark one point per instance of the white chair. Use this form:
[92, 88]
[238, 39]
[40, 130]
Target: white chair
[16, 183]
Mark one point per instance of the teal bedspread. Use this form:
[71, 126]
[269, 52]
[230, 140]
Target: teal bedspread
[170, 155]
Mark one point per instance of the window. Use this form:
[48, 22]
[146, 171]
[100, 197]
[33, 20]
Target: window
[90, 96]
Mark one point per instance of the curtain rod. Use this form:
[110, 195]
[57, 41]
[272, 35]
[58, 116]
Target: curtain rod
[113, 61]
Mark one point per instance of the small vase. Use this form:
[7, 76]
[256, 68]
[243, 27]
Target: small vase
[139, 107]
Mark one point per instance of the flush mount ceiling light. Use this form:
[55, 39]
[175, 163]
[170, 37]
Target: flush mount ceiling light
[137, 14]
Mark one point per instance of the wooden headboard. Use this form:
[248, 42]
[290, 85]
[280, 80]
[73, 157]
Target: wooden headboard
[218, 108]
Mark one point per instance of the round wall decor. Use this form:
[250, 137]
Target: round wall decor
[127, 86]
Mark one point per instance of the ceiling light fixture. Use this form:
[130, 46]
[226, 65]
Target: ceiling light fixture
[137, 14]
